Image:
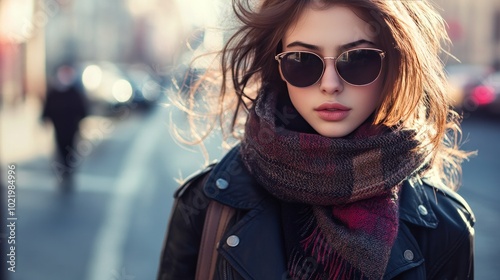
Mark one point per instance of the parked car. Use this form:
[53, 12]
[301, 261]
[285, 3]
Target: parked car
[485, 96]
[462, 78]
[109, 86]
[147, 89]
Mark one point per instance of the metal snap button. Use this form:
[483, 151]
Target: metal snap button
[422, 210]
[221, 184]
[408, 254]
[233, 241]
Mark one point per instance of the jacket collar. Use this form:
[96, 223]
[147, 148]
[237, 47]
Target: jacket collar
[231, 183]
[414, 205]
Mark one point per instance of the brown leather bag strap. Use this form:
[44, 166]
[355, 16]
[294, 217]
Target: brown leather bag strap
[216, 220]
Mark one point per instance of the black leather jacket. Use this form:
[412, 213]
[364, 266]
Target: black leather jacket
[435, 237]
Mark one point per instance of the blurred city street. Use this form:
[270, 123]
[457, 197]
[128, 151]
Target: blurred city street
[111, 224]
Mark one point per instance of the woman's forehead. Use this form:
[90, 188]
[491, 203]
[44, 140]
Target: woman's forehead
[329, 27]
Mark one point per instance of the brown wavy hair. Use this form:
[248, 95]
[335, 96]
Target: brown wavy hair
[415, 96]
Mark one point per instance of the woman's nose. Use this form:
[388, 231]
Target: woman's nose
[331, 82]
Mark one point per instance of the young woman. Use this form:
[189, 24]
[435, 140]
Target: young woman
[348, 162]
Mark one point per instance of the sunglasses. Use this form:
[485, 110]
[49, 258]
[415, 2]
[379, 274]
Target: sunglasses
[357, 67]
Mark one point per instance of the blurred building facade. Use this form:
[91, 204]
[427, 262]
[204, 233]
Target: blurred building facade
[118, 31]
[474, 27]
[38, 35]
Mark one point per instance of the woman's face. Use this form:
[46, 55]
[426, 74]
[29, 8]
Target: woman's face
[331, 106]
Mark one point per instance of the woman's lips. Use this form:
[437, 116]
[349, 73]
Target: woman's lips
[332, 111]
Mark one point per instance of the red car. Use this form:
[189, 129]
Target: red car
[485, 96]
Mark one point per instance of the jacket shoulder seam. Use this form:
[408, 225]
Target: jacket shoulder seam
[192, 179]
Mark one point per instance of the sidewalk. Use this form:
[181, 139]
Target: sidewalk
[22, 135]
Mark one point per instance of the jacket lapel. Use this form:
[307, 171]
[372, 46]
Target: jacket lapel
[260, 228]
[231, 184]
[414, 208]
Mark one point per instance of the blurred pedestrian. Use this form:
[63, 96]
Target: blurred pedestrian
[349, 155]
[65, 106]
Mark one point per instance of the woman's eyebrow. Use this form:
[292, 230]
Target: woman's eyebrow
[302, 44]
[341, 48]
[355, 44]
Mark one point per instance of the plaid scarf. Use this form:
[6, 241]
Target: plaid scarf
[349, 185]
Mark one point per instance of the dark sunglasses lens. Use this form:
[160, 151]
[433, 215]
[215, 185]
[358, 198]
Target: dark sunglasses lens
[359, 67]
[301, 69]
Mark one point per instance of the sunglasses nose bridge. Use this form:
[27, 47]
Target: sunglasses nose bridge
[330, 78]
[326, 58]
[325, 62]
[332, 58]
